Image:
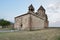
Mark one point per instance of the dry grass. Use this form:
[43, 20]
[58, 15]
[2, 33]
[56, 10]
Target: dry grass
[45, 34]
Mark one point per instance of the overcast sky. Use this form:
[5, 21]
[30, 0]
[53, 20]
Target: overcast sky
[12, 8]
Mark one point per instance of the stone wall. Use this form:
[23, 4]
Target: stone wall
[36, 23]
[24, 21]
[17, 23]
[46, 24]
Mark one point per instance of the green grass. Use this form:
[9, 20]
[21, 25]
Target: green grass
[5, 28]
[45, 34]
[58, 37]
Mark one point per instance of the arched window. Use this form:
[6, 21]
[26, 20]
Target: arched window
[21, 25]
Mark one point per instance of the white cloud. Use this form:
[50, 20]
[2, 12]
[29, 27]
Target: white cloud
[53, 11]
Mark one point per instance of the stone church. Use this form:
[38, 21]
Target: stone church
[32, 20]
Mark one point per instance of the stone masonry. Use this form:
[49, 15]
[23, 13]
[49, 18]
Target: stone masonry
[32, 20]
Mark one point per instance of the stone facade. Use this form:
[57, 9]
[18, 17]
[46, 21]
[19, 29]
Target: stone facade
[32, 20]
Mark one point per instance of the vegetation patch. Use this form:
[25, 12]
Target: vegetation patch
[46, 34]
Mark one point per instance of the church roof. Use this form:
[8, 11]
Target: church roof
[22, 15]
[27, 14]
[31, 8]
[41, 8]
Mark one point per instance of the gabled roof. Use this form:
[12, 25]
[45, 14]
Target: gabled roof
[22, 15]
[27, 14]
[31, 9]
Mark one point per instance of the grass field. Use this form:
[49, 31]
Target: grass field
[45, 34]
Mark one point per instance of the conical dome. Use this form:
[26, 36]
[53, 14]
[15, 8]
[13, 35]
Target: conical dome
[41, 8]
[31, 8]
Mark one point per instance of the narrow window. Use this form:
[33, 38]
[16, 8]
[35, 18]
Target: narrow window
[21, 25]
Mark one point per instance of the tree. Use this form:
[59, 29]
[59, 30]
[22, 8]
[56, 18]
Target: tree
[4, 23]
